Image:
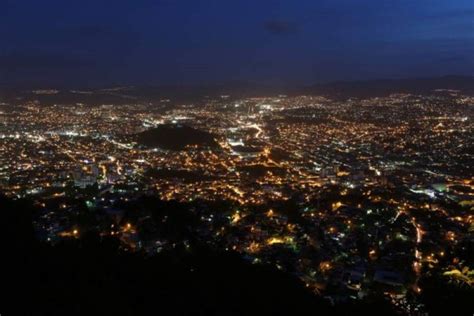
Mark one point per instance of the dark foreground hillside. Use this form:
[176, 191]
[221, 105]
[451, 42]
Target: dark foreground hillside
[92, 276]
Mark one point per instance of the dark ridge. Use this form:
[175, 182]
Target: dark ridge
[247, 149]
[199, 93]
[172, 94]
[384, 87]
[91, 275]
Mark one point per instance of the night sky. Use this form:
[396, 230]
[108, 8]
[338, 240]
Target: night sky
[265, 41]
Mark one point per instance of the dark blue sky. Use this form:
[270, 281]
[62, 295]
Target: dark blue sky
[269, 41]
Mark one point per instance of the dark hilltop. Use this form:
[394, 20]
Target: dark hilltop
[175, 137]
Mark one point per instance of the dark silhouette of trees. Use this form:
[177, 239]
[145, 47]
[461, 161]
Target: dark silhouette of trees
[91, 275]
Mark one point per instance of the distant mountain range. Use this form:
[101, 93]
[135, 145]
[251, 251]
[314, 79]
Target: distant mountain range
[381, 87]
[197, 93]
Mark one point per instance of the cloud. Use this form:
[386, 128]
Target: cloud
[279, 27]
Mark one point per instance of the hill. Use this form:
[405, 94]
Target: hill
[91, 275]
[175, 137]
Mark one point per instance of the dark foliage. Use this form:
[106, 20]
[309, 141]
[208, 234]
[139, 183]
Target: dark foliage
[91, 275]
